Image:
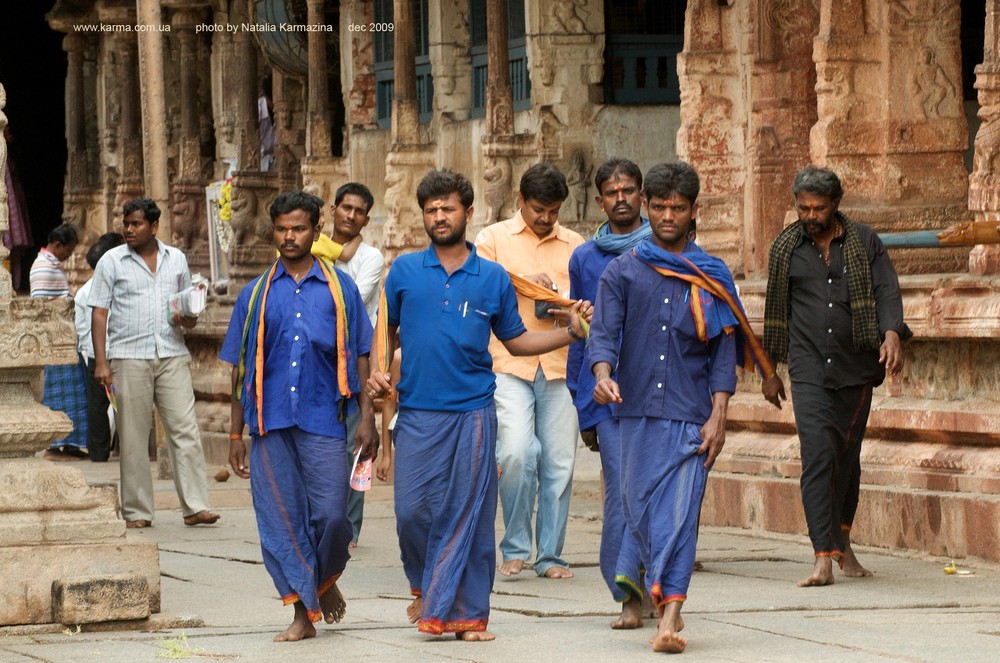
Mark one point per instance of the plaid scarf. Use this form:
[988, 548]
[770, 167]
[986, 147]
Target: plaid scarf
[250, 368]
[864, 321]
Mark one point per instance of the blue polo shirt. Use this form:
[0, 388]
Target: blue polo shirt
[300, 350]
[444, 328]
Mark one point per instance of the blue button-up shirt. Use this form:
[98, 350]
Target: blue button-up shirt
[444, 325]
[663, 369]
[300, 350]
[585, 268]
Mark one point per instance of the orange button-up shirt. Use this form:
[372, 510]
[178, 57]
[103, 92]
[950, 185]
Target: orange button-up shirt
[519, 250]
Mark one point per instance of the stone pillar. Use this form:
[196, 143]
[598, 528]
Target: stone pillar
[984, 182]
[154, 110]
[187, 191]
[318, 138]
[781, 99]
[408, 159]
[6, 287]
[499, 101]
[891, 121]
[405, 112]
[712, 136]
[75, 45]
[130, 182]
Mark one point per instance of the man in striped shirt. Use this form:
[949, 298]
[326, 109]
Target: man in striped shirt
[64, 385]
[139, 348]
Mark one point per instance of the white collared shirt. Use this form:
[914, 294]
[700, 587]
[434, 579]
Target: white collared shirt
[138, 321]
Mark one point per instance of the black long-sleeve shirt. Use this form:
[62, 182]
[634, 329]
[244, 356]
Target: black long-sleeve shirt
[821, 341]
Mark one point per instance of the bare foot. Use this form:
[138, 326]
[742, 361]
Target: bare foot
[822, 573]
[137, 524]
[413, 610]
[512, 567]
[631, 616]
[352, 545]
[680, 627]
[698, 566]
[852, 567]
[667, 638]
[65, 453]
[333, 604]
[475, 636]
[300, 628]
[558, 572]
[203, 517]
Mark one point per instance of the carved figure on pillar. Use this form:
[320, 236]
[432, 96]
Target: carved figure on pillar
[578, 181]
[566, 16]
[498, 188]
[928, 84]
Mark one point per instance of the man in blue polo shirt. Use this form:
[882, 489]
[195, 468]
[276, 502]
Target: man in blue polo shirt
[298, 341]
[619, 195]
[445, 301]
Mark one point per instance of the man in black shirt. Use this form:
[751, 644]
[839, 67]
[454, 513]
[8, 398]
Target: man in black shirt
[834, 313]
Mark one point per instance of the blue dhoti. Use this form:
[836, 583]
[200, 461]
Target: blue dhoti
[663, 483]
[446, 502]
[619, 556]
[299, 486]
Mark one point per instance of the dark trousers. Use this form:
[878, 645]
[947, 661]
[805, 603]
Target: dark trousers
[99, 430]
[831, 425]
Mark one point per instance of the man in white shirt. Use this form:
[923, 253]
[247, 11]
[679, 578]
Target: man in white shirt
[365, 265]
[98, 426]
[139, 348]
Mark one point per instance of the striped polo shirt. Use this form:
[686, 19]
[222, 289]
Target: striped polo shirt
[47, 277]
[136, 298]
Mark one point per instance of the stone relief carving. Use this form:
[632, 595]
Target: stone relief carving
[767, 142]
[578, 180]
[565, 15]
[928, 84]
[987, 143]
[247, 227]
[707, 107]
[397, 185]
[498, 187]
[187, 224]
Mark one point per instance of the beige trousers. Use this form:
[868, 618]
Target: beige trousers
[141, 383]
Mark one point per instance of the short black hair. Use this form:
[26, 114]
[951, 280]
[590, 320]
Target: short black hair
[65, 234]
[442, 183]
[293, 200]
[149, 210]
[665, 179]
[104, 243]
[355, 189]
[619, 166]
[819, 182]
[544, 183]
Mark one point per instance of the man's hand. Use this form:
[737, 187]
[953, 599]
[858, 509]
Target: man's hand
[891, 353]
[606, 392]
[238, 458]
[590, 439]
[774, 390]
[366, 439]
[540, 279]
[378, 384]
[102, 374]
[713, 434]
[184, 321]
[581, 309]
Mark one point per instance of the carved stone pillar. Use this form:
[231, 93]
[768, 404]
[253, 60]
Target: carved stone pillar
[130, 182]
[499, 100]
[75, 46]
[318, 136]
[408, 160]
[984, 182]
[187, 191]
[891, 121]
[712, 136]
[782, 104]
[154, 110]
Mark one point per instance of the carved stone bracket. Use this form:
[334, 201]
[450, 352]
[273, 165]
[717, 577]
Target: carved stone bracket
[252, 249]
[404, 229]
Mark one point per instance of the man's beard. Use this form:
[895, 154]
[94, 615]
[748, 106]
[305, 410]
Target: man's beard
[456, 237]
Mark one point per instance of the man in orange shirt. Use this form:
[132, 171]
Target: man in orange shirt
[537, 435]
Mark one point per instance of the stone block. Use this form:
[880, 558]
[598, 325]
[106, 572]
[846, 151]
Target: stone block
[30, 570]
[92, 599]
